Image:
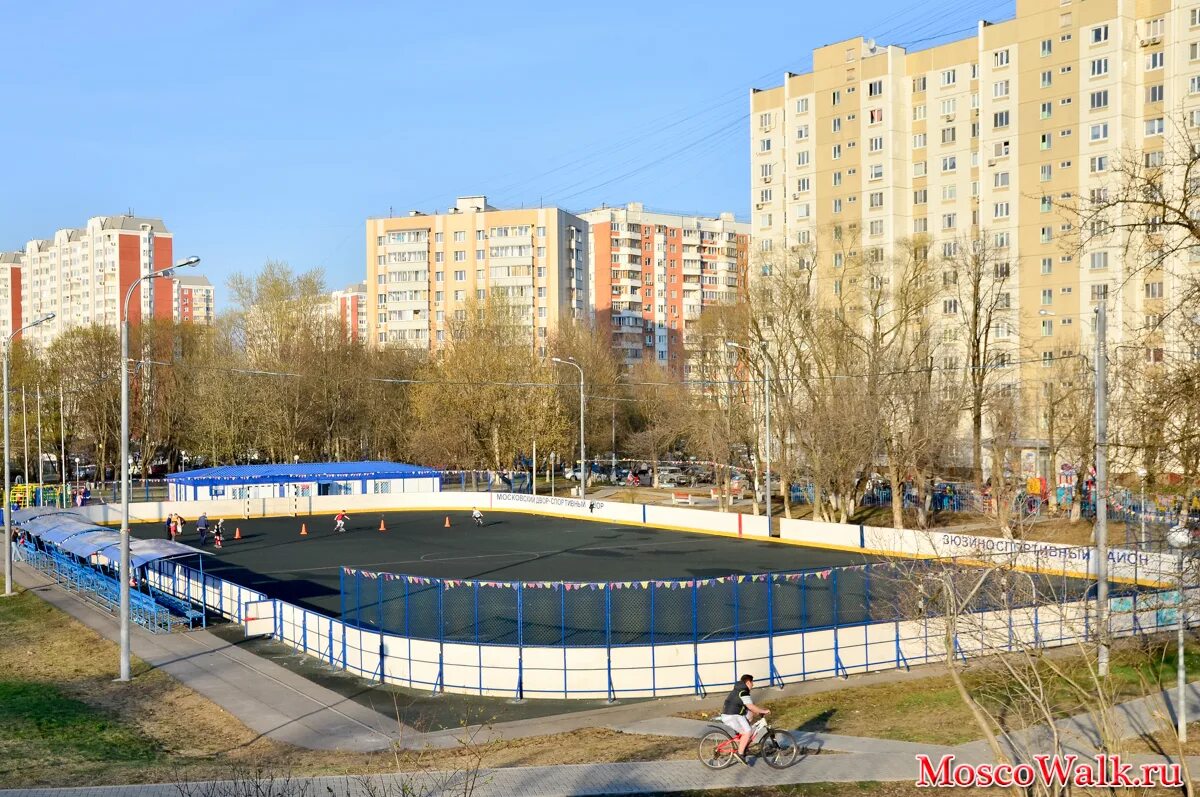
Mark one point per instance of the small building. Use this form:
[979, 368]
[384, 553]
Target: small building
[301, 479]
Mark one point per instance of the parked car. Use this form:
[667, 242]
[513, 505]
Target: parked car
[671, 476]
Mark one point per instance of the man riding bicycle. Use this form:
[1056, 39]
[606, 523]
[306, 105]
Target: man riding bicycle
[738, 703]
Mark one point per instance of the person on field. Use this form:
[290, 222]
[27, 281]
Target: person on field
[170, 524]
[477, 516]
[202, 527]
[219, 534]
[739, 703]
[339, 521]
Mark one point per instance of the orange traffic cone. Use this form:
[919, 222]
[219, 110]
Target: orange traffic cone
[237, 533]
[447, 524]
[303, 530]
[381, 526]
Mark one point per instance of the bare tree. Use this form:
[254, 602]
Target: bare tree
[975, 279]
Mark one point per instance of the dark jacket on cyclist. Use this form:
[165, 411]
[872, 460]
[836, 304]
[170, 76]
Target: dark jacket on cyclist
[735, 701]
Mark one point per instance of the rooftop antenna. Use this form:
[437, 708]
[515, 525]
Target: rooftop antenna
[389, 211]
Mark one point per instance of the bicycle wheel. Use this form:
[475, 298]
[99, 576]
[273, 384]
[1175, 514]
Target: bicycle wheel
[779, 749]
[716, 750]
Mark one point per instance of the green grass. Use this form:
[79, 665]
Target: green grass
[38, 723]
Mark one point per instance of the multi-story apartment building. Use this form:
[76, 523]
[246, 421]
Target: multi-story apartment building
[193, 300]
[81, 275]
[10, 292]
[424, 269]
[349, 306]
[990, 138]
[653, 273]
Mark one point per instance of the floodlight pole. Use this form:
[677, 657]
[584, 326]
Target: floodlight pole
[8, 546]
[583, 468]
[124, 571]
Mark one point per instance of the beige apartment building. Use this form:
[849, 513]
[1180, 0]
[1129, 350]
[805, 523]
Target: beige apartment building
[82, 274]
[654, 273]
[424, 269]
[984, 137]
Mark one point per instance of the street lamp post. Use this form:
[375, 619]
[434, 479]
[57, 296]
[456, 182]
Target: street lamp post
[1180, 538]
[582, 455]
[767, 418]
[124, 571]
[8, 548]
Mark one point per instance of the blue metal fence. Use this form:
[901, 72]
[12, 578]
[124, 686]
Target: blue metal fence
[659, 611]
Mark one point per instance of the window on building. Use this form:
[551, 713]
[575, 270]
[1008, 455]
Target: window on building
[802, 105]
[1047, 47]
[1000, 119]
[948, 135]
[1154, 127]
[1000, 58]
[875, 88]
[1154, 93]
[1099, 34]
[918, 84]
[1098, 99]
[1155, 60]
[1000, 89]
[1099, 67]
[1099, 131]
[764, 145]
[949, 77]
[1047, 79]
[1098, 260]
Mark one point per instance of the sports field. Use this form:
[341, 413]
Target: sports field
[274, 558]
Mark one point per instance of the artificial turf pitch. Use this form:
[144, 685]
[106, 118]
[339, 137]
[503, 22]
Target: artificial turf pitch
[274, 558]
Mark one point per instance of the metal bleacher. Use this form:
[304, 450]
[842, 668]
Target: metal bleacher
[157, 611]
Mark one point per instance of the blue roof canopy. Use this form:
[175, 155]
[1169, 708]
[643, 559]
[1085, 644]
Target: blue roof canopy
[76, 535]
[300, 472]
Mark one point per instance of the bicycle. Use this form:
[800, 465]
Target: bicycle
[776, 747]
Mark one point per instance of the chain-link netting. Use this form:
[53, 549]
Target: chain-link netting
[550, 613]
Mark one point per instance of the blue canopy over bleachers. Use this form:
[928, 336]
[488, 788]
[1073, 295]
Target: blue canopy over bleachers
[76, 535]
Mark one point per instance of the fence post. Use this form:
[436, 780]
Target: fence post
[612, 697]
[699, 687]
[653, 664]
[521, 640]
[734, 590]
[478, 650]
[407, 634]
[771, 678]
[439, 681]
[838, 667]
[562, 621]
[379, 628]
[867, 624]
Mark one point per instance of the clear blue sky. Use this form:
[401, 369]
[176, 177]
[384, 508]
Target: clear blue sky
[272, 130]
